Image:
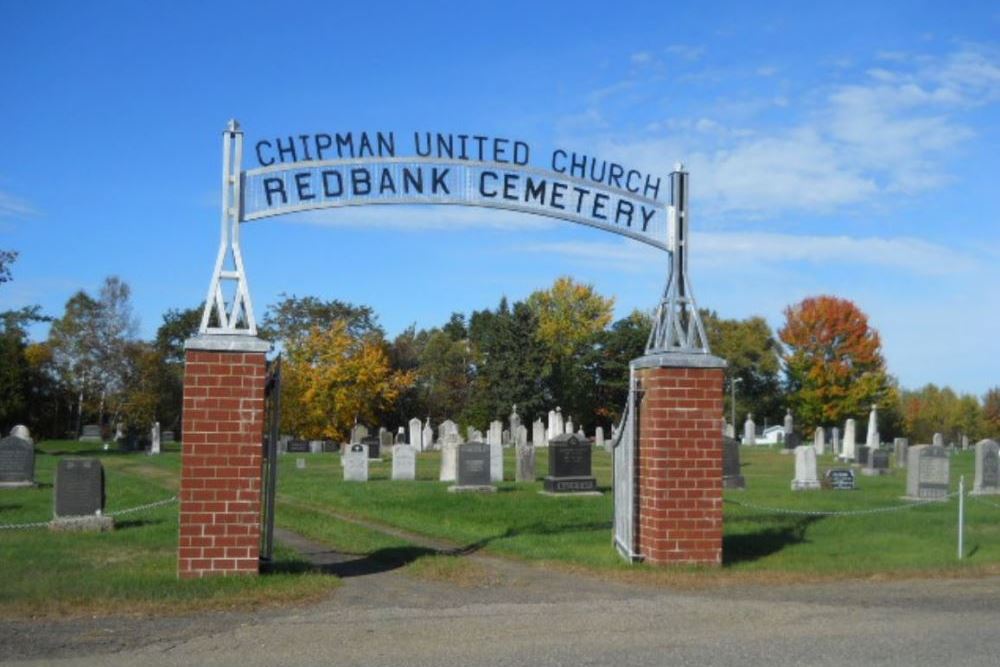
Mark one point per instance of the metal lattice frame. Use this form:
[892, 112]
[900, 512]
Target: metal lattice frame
[235, 317]
[677, 325]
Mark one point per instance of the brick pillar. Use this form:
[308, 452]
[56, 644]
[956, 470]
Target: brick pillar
[679, 489]
[223, 427]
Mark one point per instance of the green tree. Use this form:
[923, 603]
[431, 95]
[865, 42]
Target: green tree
[991, 413]
[606, 369]
[178, 326]
[444, 377]
[293, 317]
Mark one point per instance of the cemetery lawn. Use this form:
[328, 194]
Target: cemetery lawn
[133, 568]
[575, 532]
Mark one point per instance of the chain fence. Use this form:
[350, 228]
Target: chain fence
[128, 510]
[874, 510]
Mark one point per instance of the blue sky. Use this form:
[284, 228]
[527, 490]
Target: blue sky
[848, 149]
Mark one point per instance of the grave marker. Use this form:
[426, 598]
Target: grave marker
[570, 466]
[927, 473]
[91, 433]
[525, 470]
[17, 462]
[473, 469]
[987, 468]
[839, 479]
[356, 463]
[900, 447]
[805, 469]
[449, 457]
[416, 437]
[731, 477]
[404, 462]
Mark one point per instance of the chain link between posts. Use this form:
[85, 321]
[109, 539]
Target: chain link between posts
[874, 510]
[129, 510]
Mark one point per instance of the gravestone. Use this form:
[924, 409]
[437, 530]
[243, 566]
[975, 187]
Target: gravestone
[91, 433]
[569, 425]
[356, 463]
[79, 487]
[385, 442]
[599, 437]
[358, 433]
[570, 466]
[987, 468]
[792, 440]
[872, 436]
[525, 469]
[521, 436]
[514, 420]
[819, 441]
[863, 452]
[731, 477]
[965, 442]
[927, 473]
[374, 446]
[878, 463]
[416, 437]
[315, 446]
[400, 436]
[330, 447]
[473, 472]
[21, 431]
[900, 446]
[427, 436]
[446, 427]
[169, 437]
[938, 440]
[839, 479]
[495, 433]
[300, 464]
[849, 451]
[17, 462]
[154, 438]
[404, 462]
[538, 434]
[449, 457]
[835, 441]
[297, 447]
[496, 462]
[789, 425]
[805, 469]
[749, 431]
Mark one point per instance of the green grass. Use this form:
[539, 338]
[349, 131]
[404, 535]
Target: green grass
[519, 522]
[133, 568]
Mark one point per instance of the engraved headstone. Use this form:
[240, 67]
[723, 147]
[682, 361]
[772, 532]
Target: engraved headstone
[495, 433]
[835, 441]
[927, 473]
[900, 448]
[449, 457]
[731, 477]
[427, 436]
[819, 441]
[154, 438]
[862, 455]
[749, 431]
[496, 462]
[385, 442]
[789, 423]
[358, 433]
[938, 440]
[416, 437]
[599, 437]
[473, 464]
[374, 446]
[79, 487]
[21, 431]
[17, 462]
[297, 447]
[805, 469]
[356, 463]
[872, 437]
[514, 420]
[570, 466]
[849, 451]
[91, 433]
[569, 425]
[839, 479]
[525, 469]
[169, 437]
[404, 462]
[538, 438]
[987, 468]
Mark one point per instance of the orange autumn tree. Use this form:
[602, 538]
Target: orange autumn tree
[331, 377]
[833, 362]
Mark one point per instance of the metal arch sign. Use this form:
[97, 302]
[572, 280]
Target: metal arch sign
[318, 171]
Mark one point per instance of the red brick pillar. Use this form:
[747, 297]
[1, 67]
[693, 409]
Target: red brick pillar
[679, 488]
[223, 427]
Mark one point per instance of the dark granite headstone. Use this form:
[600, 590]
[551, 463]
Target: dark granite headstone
[473, 464]
[79, 487]
[793, 440]
[330, 447]
[863, 453]
[731, 477]
[17, 462]
[879, 459]
[91, 433]
[298, 447]
[168, 437]
[839, 479]
[569, 465]
[374, 447]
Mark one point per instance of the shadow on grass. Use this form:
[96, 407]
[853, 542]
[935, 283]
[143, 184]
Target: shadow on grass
[749, 547]
[535, 529]
[136, 523]
[10, 508]
[349, 565]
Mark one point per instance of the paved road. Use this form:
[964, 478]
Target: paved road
[517, 614]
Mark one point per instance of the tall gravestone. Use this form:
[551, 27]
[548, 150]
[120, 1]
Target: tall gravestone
[789, 426]
[514, 421]
[373, 445]
[416, 437]
[496, 461]
[900, 447]
[819, 441]
[525, 468]
[449, 457]
[806, 478]
[358, 433]
[427, 436]
[872, 437]
[570, 466]
[731, 473]
[835, 441]
[849, 452]
[987, 468]
[17, 462]
[404, 462]
[154, 438]
[927, 473]
[473, 473]
[599, 437]
[495, 434]
[356, 463]
[749, 431]
[538, 434]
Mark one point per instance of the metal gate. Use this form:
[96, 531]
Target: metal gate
[269, 458]
[625, 470]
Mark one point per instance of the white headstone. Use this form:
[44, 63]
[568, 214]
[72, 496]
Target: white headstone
[560, 424]
[835, 440]
[805, 469]
[449, 457]
[538, 438]
[404, 462]
[789, 423]
[154, 438]
[496, 462]
[550, 429]
[928, 469]
[965, 441]
[300, 464]
[21, 431]
[355, 463]
[938, 440]
[850, 450]
[495, 434]
[416, 437]
[315, 446]
[599, 437]
[728, 430]
[521, 437]
[525, 468]
[569, 425]
[749, 431]
[514, 421]
[446, 427]
[872, 439]
[819, 441]
[987, 468]
[427, 436]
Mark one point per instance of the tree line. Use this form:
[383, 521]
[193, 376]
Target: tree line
[560, 346]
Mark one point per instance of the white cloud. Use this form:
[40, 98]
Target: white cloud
[15, 207]
[686, 51]
[423, 217]
[641, 57]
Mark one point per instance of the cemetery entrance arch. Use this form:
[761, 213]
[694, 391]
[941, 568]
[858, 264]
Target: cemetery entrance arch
[668, 502]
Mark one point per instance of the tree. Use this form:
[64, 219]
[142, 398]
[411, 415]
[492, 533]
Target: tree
[751, 351]
[444, 376]
[178, 326]
[606, 367]
[7, 257]
[332, 378]
[293, 317]
[932, 409]
[991, 412]
[833, 362]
